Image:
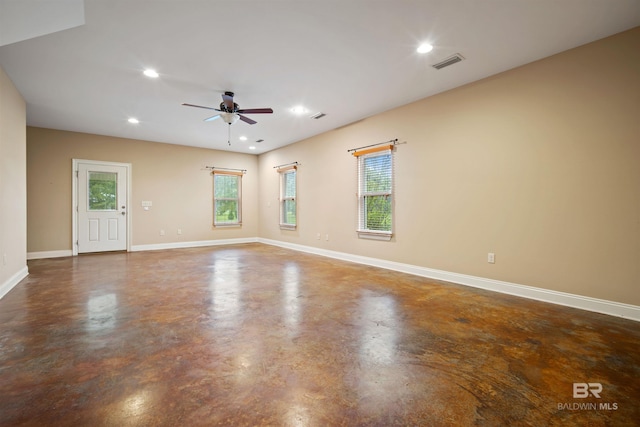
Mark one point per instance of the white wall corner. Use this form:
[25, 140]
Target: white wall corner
[13, 281]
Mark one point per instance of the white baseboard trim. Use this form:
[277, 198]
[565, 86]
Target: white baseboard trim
[612, 308]
[13, 281]
[196, 244]
[49, 254]
[151, 247]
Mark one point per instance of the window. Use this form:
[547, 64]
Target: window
[227, 198]
[103, 191]
[375, 193]
[288, 209]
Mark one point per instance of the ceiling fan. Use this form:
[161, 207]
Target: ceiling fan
[229, 111]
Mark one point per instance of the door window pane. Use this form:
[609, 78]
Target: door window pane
[103, 191]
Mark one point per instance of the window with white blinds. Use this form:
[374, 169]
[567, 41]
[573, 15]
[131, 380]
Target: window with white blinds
[227, 198]
[375, 193]
[288, 195]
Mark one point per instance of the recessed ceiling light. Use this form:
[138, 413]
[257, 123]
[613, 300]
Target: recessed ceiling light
[252, 147]
[299, 109]
[133, 120]
[151, 73]
[243, 138]
[424, 48]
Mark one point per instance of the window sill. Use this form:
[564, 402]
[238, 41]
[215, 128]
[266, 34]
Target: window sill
[287, 227]
[227, 225]
[375, 235]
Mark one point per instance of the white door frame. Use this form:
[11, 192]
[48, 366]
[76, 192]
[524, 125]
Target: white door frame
[74, 202]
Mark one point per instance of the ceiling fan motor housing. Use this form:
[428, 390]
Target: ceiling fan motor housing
[223, 107]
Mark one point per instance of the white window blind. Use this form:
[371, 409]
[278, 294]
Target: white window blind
[227, 198]
[375, 193]
[288, 195]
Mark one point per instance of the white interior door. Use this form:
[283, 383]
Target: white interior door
[102, 207]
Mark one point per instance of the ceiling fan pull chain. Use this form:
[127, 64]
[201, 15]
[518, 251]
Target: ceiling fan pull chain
[229, 137]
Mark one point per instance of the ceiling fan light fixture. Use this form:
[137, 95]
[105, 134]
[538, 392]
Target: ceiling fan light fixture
[230, 118]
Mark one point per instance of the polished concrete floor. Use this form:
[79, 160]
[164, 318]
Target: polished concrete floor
[258, 335]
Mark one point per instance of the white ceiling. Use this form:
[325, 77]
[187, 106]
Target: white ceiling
[349, 59]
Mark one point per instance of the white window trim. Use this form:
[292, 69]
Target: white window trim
[238, 223]
[282, 172]
[375, 234]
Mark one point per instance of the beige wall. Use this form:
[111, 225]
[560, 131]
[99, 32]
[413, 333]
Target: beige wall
[539, 164]
[173, 177]
[13, 202]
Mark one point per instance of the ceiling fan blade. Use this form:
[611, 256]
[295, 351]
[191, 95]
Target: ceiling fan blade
[200, 106]
[256, 111]
[247, 119]
[212, 118]
[227, 100]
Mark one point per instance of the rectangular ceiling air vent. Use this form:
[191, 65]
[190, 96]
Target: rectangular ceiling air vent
[449, 61]
[317, 116]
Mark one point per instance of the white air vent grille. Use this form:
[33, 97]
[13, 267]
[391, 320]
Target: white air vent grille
[449, 61]
[317, 116]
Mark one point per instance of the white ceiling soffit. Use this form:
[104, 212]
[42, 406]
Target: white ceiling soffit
[348, 59]
[25, 19]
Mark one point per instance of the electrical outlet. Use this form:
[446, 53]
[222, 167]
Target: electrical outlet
[491, 258]
[179, 231]
[318, 236]
[326, 237]
[162, 232]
